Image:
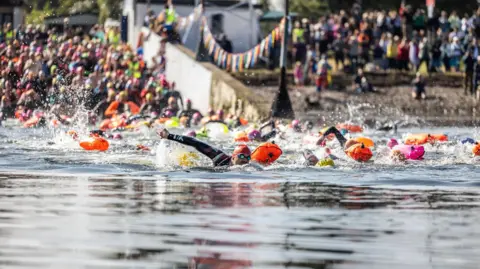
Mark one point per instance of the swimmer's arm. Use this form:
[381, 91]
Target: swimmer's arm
[204, 148]
[268, 123]
[269, 135]
[336, 132]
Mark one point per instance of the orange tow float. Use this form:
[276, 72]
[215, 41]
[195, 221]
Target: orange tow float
[359, 152]
[266, 153]
[421, 139]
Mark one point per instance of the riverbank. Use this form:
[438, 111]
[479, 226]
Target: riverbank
[444, 106]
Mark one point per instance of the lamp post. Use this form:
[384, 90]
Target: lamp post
[202, 53]
[282, 106]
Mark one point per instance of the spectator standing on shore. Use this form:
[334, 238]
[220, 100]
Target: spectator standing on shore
[419, 20]
[402, 55]
[455, 51]
[436, 54]
[299, 42]
[418, 87]
[476, 77]
[444, 23]
[413, 55]
[298, 74]
[454, 20]
[378, 56]
[353, 53]
[339, 48]
[469, 63]
[445, 48]
[392, 51]
[423, 53]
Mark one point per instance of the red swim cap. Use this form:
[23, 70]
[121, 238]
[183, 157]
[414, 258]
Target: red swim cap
[241, 149]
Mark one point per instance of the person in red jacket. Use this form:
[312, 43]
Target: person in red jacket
[402, 56]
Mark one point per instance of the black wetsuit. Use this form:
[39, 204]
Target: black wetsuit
[270, 134]
[218, 157]
[336, 132]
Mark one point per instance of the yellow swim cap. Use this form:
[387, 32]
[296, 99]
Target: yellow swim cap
[325, 162]
[149, 97]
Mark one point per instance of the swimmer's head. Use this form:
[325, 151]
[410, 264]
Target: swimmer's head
[197, 116]
[309, 125]
[350, 142]
[191, 133]
[254, 135]
[149, 97]
[392, 143]
[172, 101]
[296, 125]
[241, 155]
[168, 114]
[97, 133]
[220, 114]
[397, 155]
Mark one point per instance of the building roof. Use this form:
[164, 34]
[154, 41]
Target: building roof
[220, 3]
[276, 15]
[88, 18]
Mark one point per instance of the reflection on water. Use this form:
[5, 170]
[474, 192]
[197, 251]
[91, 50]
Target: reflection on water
[120, 222]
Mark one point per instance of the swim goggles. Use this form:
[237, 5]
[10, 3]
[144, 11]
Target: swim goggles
[243, 156]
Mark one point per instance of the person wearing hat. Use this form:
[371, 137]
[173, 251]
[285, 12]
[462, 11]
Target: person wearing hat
[241, 154]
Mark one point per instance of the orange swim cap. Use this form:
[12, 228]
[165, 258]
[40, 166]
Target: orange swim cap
[241, 149]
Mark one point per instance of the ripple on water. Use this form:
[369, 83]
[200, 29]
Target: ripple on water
[120, 222]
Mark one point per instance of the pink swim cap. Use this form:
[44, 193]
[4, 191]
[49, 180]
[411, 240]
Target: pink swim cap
[191, 133]
[117, 136]
[197, 116]
[254, 135]
[392, 143]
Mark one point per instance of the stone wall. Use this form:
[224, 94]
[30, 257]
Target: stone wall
[205, 84]
[341, 80]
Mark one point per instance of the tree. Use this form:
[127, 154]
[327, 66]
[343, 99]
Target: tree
[109, 9]
[309, 8]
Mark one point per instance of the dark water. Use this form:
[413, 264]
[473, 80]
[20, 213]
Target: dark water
[63, 208]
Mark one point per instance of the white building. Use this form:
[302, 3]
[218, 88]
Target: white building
[239, 23]
[12, 11]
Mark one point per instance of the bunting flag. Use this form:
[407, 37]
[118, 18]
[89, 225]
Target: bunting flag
[239, 61]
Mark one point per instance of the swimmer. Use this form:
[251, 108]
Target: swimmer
[312, 160]
[241, 154]
[256, 135]
[345, 143]
[352, 147]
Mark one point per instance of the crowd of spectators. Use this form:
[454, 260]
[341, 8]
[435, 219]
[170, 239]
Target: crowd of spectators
[403, 39]
[47, 70]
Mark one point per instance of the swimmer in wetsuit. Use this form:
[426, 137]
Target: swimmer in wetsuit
[240, 156]
[345, 143]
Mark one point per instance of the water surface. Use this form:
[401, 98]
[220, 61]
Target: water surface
[63, 208]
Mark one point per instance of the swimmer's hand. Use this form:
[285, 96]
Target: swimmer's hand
[163, 133]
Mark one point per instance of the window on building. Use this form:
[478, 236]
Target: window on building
[217, 24]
